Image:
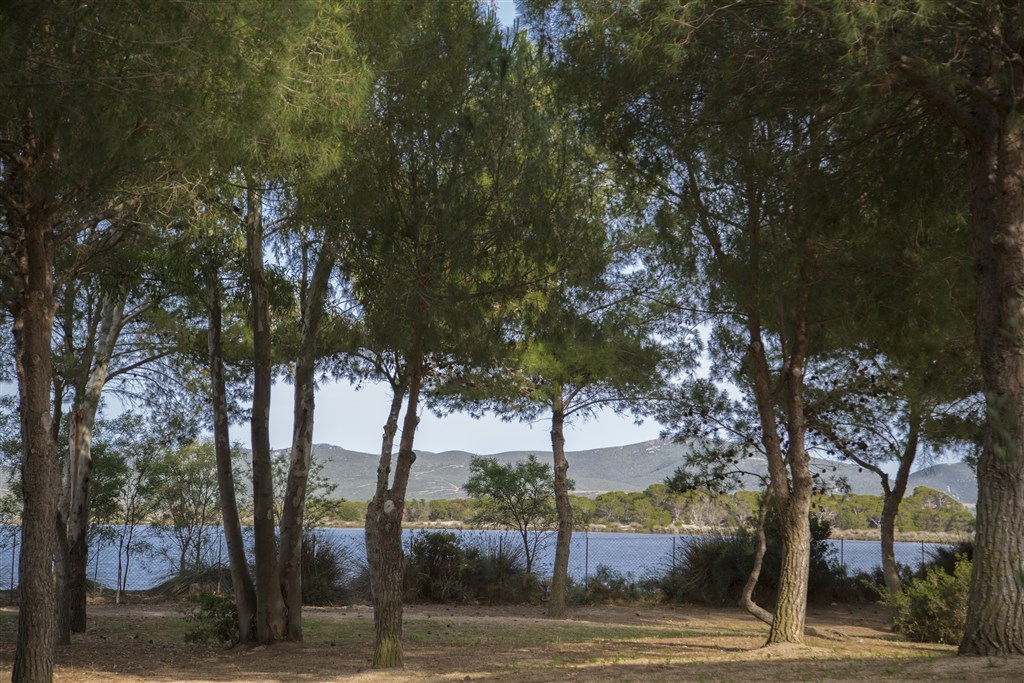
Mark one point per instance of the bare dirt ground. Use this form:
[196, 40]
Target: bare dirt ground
[143, 642]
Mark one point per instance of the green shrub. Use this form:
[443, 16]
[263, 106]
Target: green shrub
[607, 586]
[327, 570]
[946, 557]
[443, 567]
[213, 618]
[932, 609]
[709, 570]
[713, 570]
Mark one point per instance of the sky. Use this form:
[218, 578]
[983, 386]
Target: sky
[355, 419]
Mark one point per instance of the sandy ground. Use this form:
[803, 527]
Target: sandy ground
[136, 643]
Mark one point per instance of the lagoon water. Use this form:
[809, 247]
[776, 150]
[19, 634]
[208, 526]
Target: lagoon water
[637, 555]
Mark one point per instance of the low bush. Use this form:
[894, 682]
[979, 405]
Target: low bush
[213, 617]
[946, 558]
[713, 570]
[607, 586]
[932, 609]
[328, 570]
[444, 567]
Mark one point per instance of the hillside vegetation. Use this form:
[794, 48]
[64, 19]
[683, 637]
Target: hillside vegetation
[658, 509]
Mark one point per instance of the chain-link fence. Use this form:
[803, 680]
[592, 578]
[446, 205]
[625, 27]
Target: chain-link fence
[155, 558]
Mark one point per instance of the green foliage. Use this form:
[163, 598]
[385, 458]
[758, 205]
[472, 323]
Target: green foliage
[213, 617]
[933, 609]
[658, 506]
[930, 510]
[443, 567]
[188, 500]
[318, 489]
[712, 570]
[327, 570]
[518, 495]
[606, 586]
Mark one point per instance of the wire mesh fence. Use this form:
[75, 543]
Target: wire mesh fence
[155, 558]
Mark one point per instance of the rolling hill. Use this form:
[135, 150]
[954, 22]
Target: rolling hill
[621, 468]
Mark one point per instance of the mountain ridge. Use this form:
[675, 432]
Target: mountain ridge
[632, 467]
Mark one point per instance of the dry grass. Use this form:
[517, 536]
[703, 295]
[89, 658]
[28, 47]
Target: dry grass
[135, 643]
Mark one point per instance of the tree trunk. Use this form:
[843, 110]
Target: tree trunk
[893, 499]
[79, 470]
[995, 621]
[791, 602]
[747, 596]
[556, 605]
[270, 612]
[241, 581]
[293, 508]
[791, 481]
[384, 530]
[33, 313]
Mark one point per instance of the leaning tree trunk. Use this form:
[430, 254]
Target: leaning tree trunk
[556, 606]
[747, 596]
[241, 581]
[33, 313]
[384, 532]
[995, 620]
[293, 507]
[270, 611]
[893, 499]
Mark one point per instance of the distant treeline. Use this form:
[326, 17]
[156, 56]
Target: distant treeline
[926, 510]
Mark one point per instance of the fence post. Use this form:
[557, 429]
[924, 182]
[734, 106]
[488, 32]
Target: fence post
[96, 564]
[922, 553]
[842, 554]
[673, 553]
[14, 561]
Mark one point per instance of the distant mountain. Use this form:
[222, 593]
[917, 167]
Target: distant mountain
[620, 468]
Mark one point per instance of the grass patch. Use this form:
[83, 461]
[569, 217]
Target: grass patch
[449, 633]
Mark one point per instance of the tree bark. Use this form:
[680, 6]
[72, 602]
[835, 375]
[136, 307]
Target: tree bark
[790, 476]
[33, 313]
[995, 620]
[241, 581]
[563, 506]
[747, 596]
[290, 561]
[270, 610]
[893, 497]
[80, 461]
[384, 529]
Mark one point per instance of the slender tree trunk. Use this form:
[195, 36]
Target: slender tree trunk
[241, 581]
[747, 596]
[556, 605]
[33, 313]
[893, 499]
[80, 466]
[62, 567]
[995, 620]
[384, 533]
[293, 508]
[270, 611]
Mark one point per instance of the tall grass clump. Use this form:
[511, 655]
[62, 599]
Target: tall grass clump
[442, 567]
[330, 571]
[711, 570]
